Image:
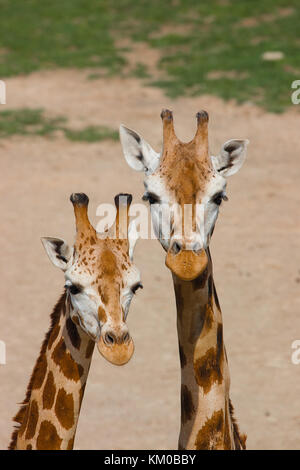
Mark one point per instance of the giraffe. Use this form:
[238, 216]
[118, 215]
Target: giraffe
[100, 281]
[184, 176]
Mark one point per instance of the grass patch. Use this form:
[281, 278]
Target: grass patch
[197, 41]
[28, 122]
[226, 39]
[59, 33]
[92, 134]
[33, 122]
[140, 71]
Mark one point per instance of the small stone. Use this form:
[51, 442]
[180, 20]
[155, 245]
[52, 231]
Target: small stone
[273, 55]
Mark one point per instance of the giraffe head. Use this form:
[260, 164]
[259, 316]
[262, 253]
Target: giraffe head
[100, 278]
[185, 187]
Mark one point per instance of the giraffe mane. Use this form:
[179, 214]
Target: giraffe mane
[18, 418]
[239, 439]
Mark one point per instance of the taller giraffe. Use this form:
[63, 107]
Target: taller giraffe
[184, 180]
[100, 280]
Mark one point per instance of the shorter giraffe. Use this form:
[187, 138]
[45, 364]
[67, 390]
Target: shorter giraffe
[100, 281]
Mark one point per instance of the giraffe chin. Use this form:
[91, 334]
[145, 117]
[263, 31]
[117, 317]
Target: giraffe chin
[187, 265]
[117, 354]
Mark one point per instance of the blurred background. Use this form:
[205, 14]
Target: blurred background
[74, 70]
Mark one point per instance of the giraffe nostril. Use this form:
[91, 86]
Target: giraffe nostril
[197, 248]
[109, 338]
[126, 337]
[176, 248]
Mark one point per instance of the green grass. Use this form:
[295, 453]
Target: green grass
[60, 33]
[32, 122]
[213, 37]
[140, 71]
[28, 122]
[206, 47]
[92, 134]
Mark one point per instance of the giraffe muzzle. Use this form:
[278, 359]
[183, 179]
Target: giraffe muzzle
[187, 264]
[116, 348]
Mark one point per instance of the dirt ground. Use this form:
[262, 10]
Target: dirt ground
[255, 250]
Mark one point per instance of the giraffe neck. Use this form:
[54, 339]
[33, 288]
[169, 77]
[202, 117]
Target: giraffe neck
[49, 415]
[206, 411]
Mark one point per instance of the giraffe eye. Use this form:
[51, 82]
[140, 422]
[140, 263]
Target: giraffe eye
[219, 197]
[151, 198]
[73, 288]
[137, 286]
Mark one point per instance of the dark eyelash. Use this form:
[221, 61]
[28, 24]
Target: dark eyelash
[136, 287]
[217, 199]
[74, 289]
[151, 198]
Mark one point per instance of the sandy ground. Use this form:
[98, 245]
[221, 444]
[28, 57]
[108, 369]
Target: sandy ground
[255, 250]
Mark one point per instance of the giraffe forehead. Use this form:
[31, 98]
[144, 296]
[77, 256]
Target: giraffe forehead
[109, 292]
[114, 260]
[116, 273]
[108, 263]
[101, 257]
[185, 176]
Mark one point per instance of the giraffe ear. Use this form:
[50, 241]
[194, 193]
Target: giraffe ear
[58, 251]
[138, 153]
[133, 236]
[231, 158]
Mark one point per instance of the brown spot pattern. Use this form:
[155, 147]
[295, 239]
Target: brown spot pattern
[39, 373]
[53, 335]
[210, 436]
[66, 363]
[32, 420]
[23, 419]
[104, 295]
[187, 406]
[81, 393]
[89, 349]
[109, 263]
[49, 392]
[48, 439]
[22, 415]
[208, 369]
[73, 333]
[200, 281]
[101, 314]
[182, 357]
[70, 444]
[64, 408]
[209, 316]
